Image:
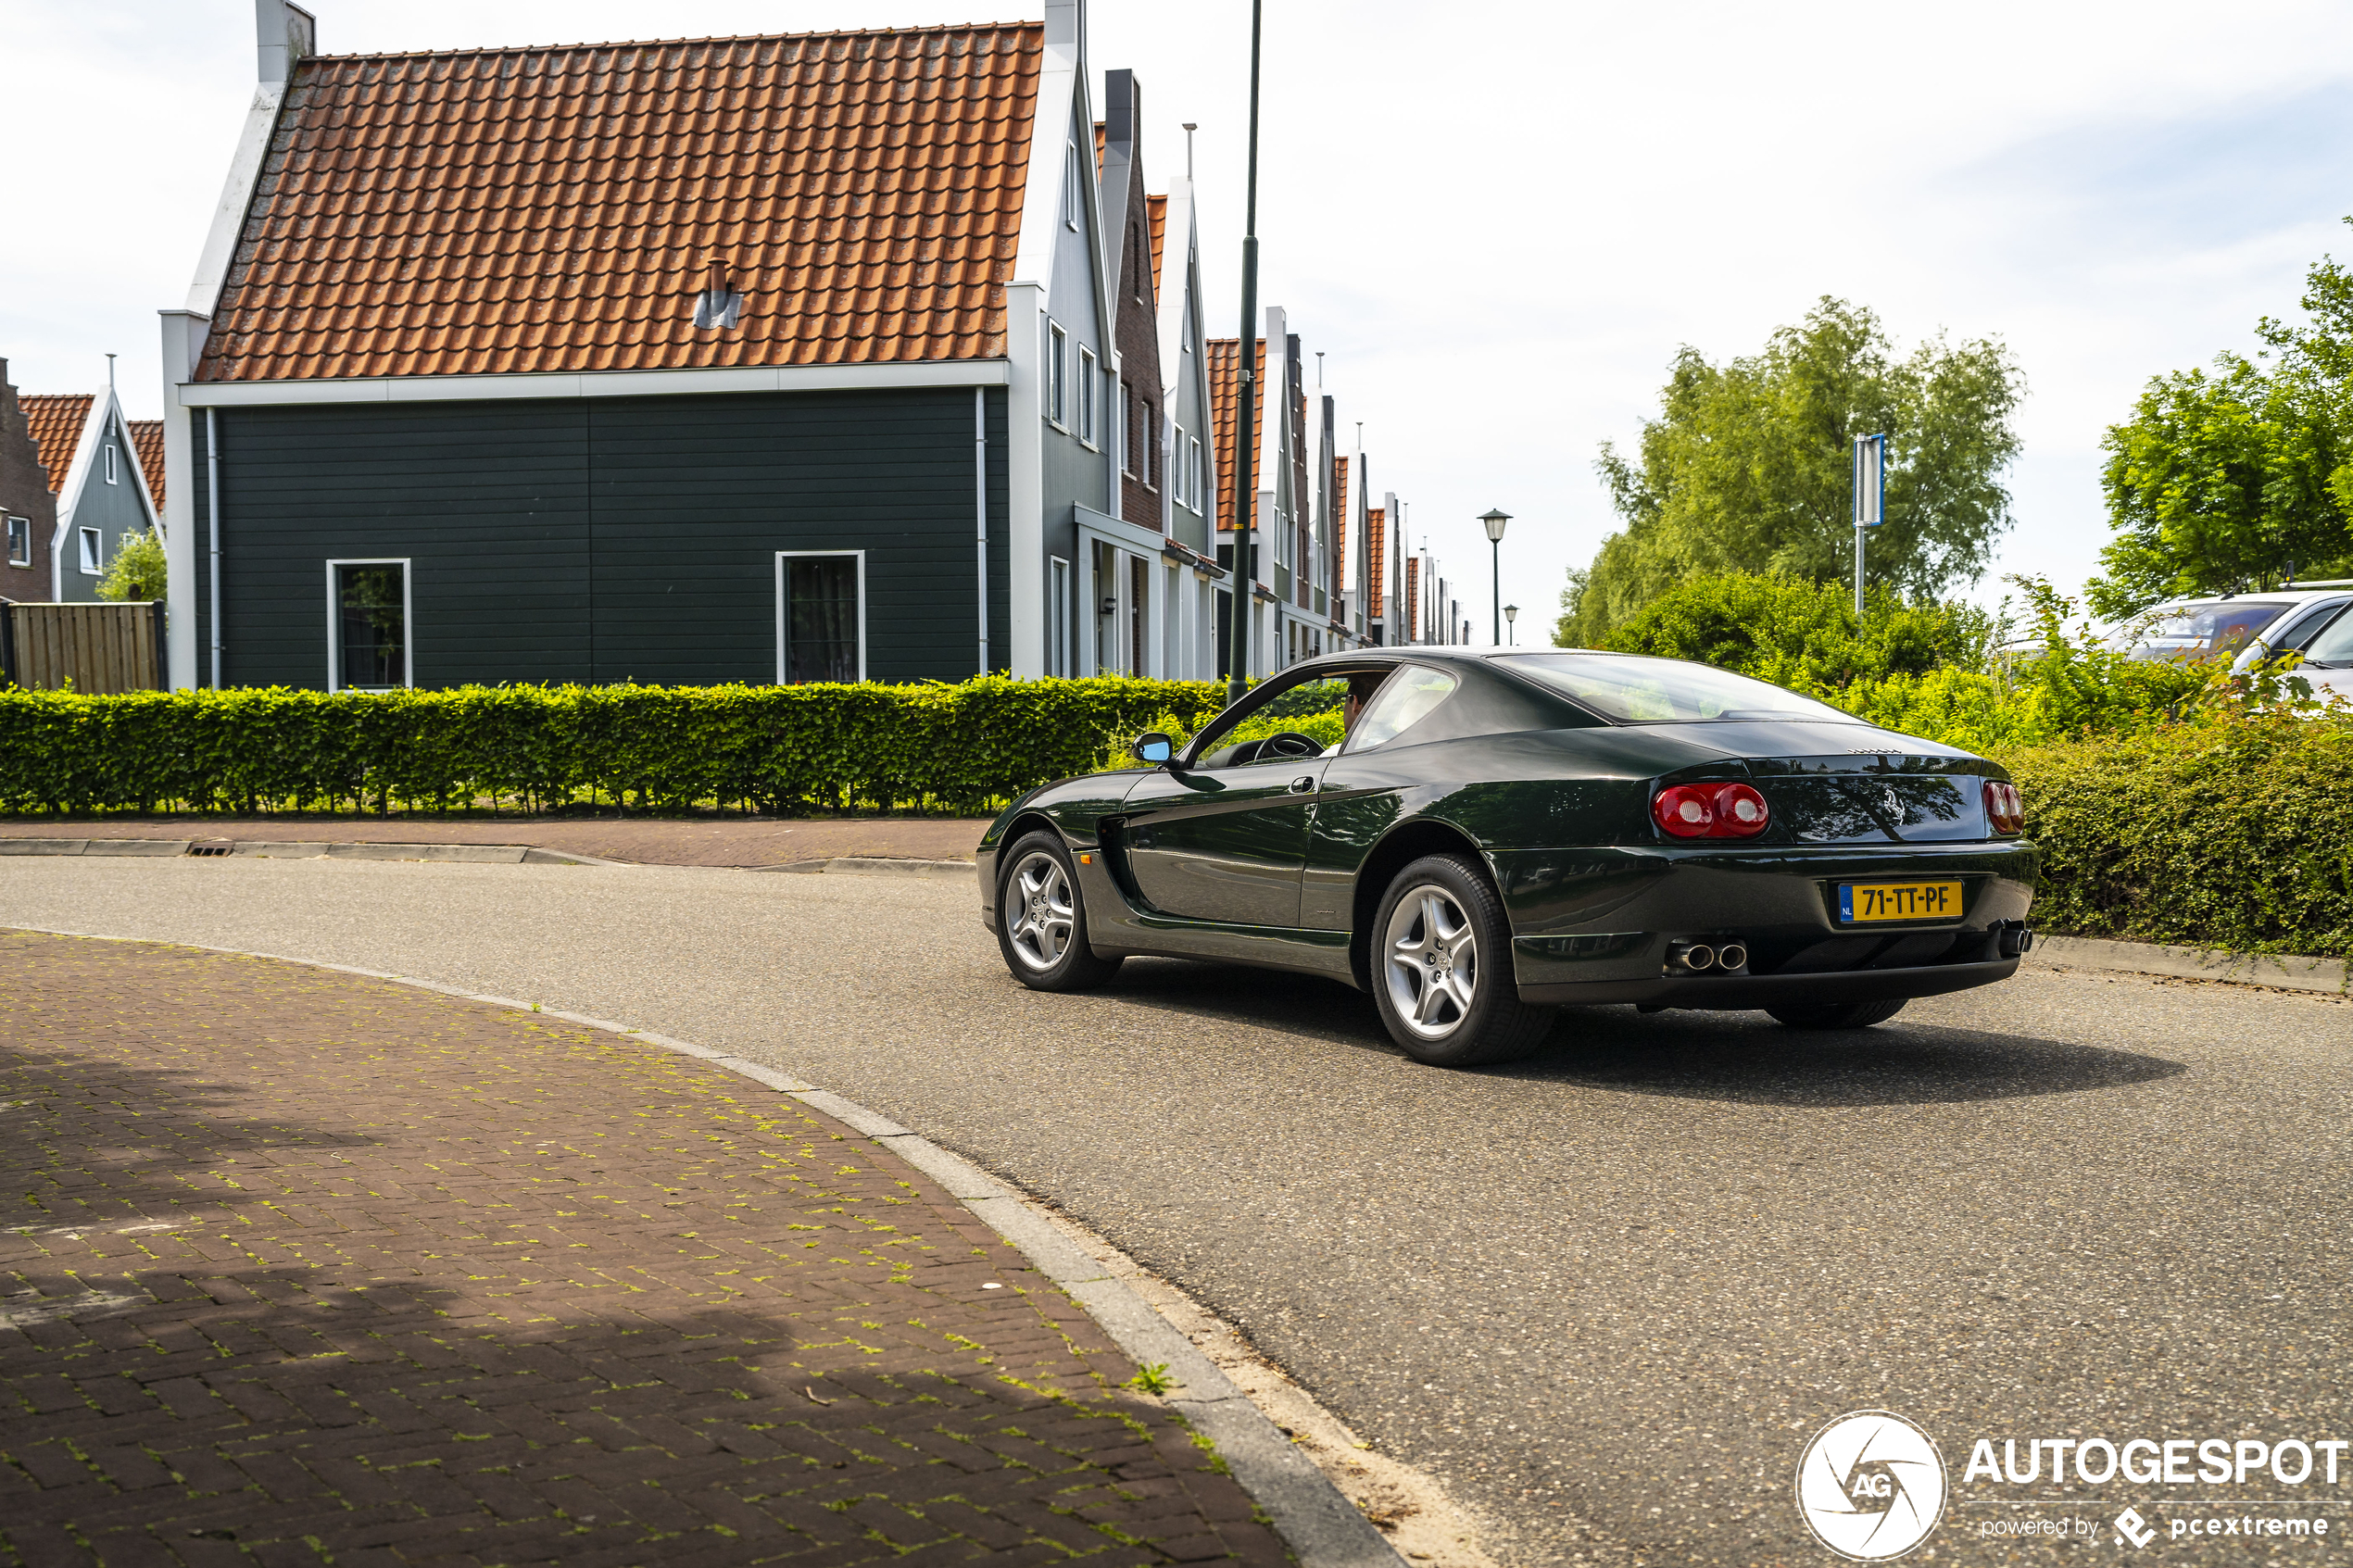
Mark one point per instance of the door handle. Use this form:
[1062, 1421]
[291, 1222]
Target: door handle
[1304, 785]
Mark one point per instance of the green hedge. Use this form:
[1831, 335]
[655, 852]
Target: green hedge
[2235, 834]
[779, 748]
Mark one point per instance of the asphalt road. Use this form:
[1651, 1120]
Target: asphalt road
[1606, 1294]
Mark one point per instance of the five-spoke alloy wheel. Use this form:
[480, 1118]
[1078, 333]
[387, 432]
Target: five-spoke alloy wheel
[1041, 919]
[1441, 969]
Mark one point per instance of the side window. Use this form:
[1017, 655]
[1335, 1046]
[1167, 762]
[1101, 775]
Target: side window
[1403, 701]
[1057, 345]
[19, 541]
[1299, 705]
[2300, 637]
[820, 617]
[369, 614]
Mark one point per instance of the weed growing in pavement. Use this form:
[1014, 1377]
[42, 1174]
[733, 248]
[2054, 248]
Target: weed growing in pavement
[1152, 1378]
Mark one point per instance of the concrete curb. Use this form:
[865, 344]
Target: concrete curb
[1323, 1529]
[2286, 970]
[303, 850]
[873, 865]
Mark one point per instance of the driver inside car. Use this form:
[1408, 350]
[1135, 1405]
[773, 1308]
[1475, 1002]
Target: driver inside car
[1355, 695]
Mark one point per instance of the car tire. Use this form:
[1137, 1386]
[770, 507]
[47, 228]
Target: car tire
[1442, 1010]
[1837, 1015]
[1041, 919]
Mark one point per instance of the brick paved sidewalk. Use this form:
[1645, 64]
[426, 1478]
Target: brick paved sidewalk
[646, 840]
[299, 1267]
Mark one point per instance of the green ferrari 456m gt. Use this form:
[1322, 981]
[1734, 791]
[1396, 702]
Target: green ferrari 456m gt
[1496, 834]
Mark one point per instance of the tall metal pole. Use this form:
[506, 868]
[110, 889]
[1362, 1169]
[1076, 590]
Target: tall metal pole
[1246, 409]
[1498, 544]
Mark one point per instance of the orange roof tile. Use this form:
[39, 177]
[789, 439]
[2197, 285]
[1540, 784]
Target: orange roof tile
[1102, 140]
[1375, 570]
[509, 210]
[147, 436]
[1413, 599]
[1225, 367]
[1157, 207]
[55, 420]
[1340, 515]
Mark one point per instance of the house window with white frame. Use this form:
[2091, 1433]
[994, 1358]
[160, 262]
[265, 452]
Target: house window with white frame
[1074, 188]
[19, 541]
[369, 614]
[1058, 616]
[1126, 427]
[1057, 345]
[820, 617]
[113, 475]
[93, 552]
[1086, 395]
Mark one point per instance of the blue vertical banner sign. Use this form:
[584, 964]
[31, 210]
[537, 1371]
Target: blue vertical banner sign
[1870, 500]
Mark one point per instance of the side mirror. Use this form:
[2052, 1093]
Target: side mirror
[1153, 747]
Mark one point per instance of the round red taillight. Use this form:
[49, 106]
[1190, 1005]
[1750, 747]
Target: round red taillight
[1685, 811]
[1741, 812]
[2004, 810]
[1711, 811]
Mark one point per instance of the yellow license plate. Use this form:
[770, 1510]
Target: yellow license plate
[1861, 902]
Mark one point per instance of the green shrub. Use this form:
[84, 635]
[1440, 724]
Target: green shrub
[2236, 833]
[1803, 634]
[137, 570]
[781, 748]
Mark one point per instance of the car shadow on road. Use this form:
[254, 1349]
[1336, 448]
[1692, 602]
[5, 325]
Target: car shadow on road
[1746, 1058]
[1742, 1056]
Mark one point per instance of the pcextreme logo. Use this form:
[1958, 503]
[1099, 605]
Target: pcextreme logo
[1871, 1486]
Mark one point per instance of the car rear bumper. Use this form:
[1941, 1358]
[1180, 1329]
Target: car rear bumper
[1604, 926]
[1737, 991]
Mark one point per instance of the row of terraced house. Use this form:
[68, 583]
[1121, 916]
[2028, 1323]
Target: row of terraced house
[822, 356]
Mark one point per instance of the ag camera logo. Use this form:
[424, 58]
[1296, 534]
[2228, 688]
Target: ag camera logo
[1871, 1486]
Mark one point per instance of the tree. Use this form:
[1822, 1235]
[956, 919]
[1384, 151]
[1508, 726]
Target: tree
[138, 569]
[1748, 468]
[2241, 478]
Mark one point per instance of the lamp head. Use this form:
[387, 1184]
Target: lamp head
[1511, 612]
[1494, 520]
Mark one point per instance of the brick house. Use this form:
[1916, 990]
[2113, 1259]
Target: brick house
[28, 508]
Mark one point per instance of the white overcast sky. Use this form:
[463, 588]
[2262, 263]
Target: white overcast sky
[1497, 221]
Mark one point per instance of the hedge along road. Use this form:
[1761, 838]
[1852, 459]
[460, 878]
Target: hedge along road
[1606, 1294]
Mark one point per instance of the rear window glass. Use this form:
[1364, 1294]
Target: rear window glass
[2196, 632]
[1629, 690]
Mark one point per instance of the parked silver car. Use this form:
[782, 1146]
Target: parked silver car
[2242, 628]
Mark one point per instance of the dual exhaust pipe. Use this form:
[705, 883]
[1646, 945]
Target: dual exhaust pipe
[1698, 958]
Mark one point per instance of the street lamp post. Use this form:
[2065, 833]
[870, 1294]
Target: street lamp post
[1511, 624]
[1246, 410]
[1496, 519]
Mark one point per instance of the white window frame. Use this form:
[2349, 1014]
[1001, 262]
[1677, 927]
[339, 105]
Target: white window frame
[1057, 654]
[783, 653]
[1085, 394]
[114, 475]
[408, 623]
[1057, 385]
[19, 527]
[1073, 187]
[93, 551]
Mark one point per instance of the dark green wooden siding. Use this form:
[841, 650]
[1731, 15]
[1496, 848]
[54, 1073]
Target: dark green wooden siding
[604, 539]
